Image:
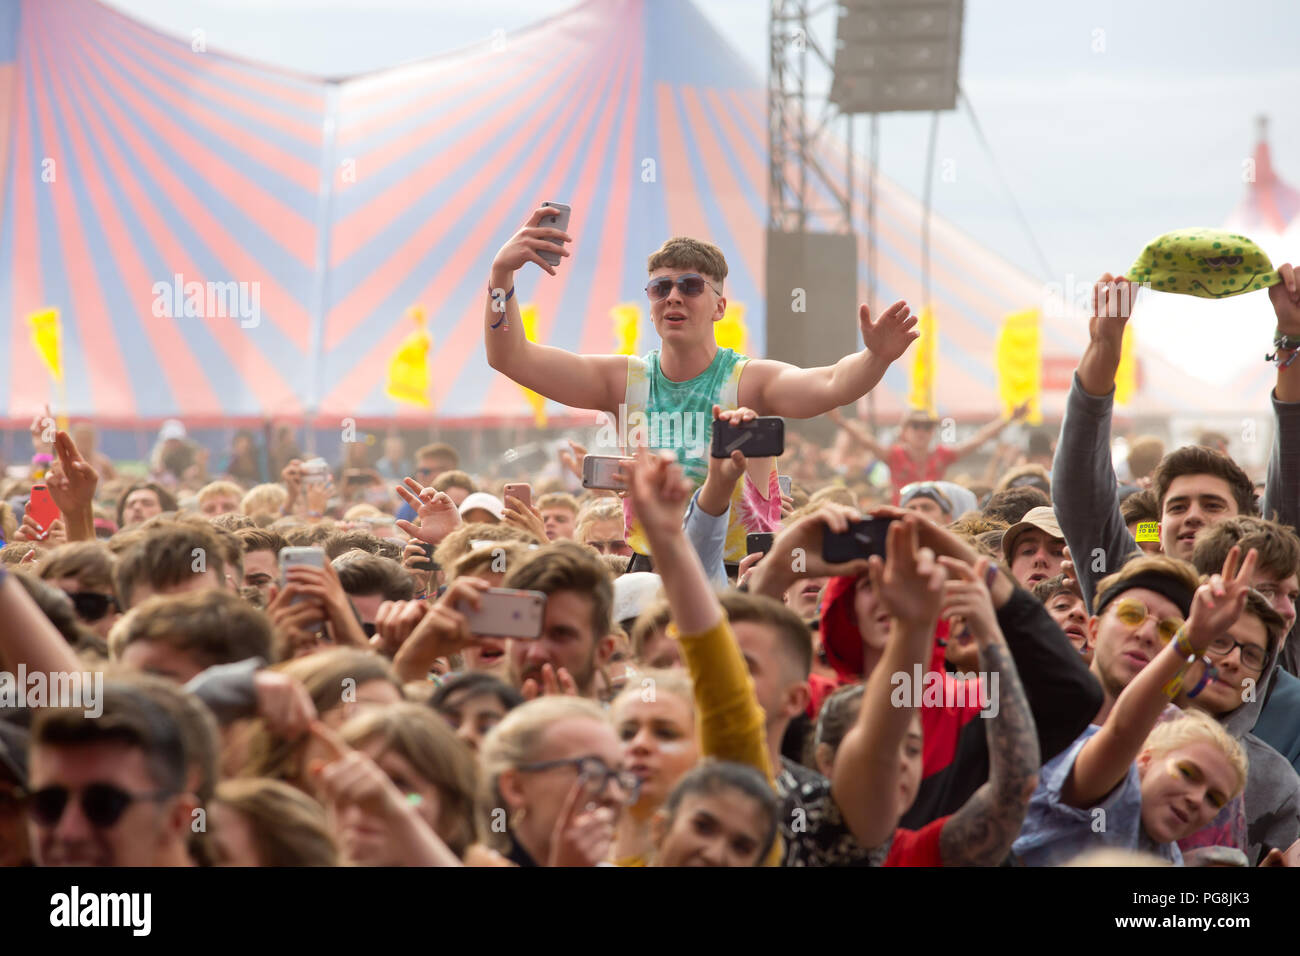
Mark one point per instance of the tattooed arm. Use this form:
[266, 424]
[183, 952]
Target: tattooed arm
[982, 831]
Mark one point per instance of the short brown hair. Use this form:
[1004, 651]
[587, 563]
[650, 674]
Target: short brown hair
[568, 566]
[261, 539]
[1140, 506]
[371, 574]
[88, 561]
[1144, 455]
[794, 638]
[1046, 590]
[1029, 475]
[682, 252]
[1277, 544]
[650, 621]
[1197, 460]
[1012, 504]
[232, 521]
[439, 450]
[454, 479]
[480, 560]
[460, 542]
[217, 627]
[1257, 606]
[164, 557]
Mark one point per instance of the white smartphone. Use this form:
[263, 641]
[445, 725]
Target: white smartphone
[601, 471]
[311, 557]
[315, 471]
[559, 221]
[506, 612]
[785, 481]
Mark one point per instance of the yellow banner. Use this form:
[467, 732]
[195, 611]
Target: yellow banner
[732, 332]
[528, 314]
[1019, 364]
[923, 360]
[47, 337]
[408, 370]
[627, 327]
[1126, 378]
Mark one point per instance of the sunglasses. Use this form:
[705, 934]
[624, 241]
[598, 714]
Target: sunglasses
[91, 606]
[690, 285]
[102, 804]
[1133, 612]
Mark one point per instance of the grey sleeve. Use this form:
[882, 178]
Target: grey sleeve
[708, 535]
[228, 689]
[1085, 495]
[1282, 493]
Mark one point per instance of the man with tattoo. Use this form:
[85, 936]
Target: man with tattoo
[877, 769]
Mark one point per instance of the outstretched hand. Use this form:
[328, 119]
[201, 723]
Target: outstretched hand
[531, 239]
[1112, 305]
[909, 583]
[436, 512]
[1219, 601]
[891, 334]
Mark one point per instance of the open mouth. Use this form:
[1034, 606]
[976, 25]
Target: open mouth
[1075, 630]
[1036, 577]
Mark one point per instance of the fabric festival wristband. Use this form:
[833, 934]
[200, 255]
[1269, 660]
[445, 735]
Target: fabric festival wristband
[1183, 643]
[1211, 673]
[1175, 684]
[492, 295]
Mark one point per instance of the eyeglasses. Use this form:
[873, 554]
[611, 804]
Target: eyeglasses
[91, 606]
[1133, 613]
[595, 770]
[101, 803]
[1252, 655]
[690, 285]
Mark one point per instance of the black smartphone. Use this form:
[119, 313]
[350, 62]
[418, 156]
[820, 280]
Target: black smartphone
[862, 540]
[759, 542]
[761, 438]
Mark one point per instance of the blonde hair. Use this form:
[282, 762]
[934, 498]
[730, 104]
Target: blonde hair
[214, 489]
[264, 498]
[485, 559]
[675, 681]
[1196, 726]
[599, 509]
[516, 740]
[429, 745]
[363, 510]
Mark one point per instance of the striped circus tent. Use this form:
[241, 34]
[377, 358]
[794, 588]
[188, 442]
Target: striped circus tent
[223, 242]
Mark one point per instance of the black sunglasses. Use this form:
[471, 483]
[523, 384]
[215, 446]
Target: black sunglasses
[690, 284]
[91, 606]
[102, 804]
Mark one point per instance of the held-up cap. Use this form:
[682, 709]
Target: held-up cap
[1209, 263]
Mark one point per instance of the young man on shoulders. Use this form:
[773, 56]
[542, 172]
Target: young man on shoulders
[688, 374]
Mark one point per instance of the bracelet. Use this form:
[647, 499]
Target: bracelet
[990, 576]
[1283, 343]
[1183, 643]
[1211, 673]
[501, 322]
[1175, 684]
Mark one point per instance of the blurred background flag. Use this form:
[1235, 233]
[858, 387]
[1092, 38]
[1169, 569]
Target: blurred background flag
[408, 370]
[1126, 376]
[732, 332]
[923, 363]
[528, 313]
[48, 340]
[627, 327]
[1019, 364]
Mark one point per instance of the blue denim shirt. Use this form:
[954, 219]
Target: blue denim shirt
[1054, 833]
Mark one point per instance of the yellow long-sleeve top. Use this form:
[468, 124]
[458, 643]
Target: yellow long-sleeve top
[729, 722]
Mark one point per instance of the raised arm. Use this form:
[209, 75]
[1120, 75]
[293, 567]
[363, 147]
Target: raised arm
[859, 433]
[777, 388]
[866, 777]
[1284, 460]
[579, 381]
[1106, 757]
[982, 831]
[990, 431]
[26, 635]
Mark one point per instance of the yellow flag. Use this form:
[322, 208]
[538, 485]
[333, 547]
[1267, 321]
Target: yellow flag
[408, 370]
[732, 332]
[923, 362]
[1020, 368]
[1126, 378]
[47, 337]
[627, 327]
[528, 315]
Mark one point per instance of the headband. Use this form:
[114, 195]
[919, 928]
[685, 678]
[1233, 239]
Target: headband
[1157, 581]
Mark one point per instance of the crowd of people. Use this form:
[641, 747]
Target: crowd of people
[1045, 663]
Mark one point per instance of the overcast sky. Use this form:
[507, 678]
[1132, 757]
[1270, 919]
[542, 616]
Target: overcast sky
[1112, 121]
